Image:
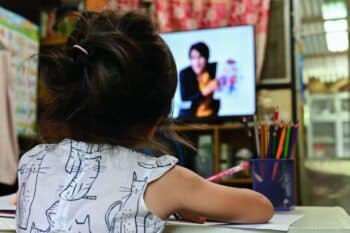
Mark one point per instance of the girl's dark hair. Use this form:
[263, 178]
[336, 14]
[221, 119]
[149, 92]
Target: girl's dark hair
[117, 91]
[202, 48]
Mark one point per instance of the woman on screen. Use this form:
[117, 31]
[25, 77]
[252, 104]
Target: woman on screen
[198, 83]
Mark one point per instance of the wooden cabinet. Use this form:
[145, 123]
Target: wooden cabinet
[234, 136]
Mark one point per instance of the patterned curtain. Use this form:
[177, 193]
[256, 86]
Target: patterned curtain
[174, 15]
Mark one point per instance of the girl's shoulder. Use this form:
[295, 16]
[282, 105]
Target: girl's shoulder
[37, 151]
[151, 166]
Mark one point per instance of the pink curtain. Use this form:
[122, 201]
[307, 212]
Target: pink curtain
[174, 15]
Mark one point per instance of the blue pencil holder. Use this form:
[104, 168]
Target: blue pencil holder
[274, 178]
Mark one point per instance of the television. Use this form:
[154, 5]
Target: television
[216, 72]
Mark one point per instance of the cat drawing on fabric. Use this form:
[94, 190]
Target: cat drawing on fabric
[153, 165]
[120, 217]
[79, 163]
[30, 171]
[76, 227]
[50, 215]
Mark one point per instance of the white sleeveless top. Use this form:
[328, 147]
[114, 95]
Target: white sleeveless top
[87, 188]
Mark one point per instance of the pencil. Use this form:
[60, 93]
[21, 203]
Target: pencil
[267, 138]
[275, 114]
[279, 131]
[263, 150]
[279, 151]
[280, 143]
[274, 142]
[293, 139]
[271, 139]
[287, 142]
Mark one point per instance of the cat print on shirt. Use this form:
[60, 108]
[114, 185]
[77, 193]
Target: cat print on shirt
[155, 164]
[77, 226]
[153, 223]
[81, 226]
[29, 171]
[50, 216]
[120, 216]
[79, 163]
[84, 166]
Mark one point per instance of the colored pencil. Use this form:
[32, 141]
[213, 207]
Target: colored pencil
[267, 137]
[274, 142]
[271, 139]
[293, 140]
[262, 143]
[280, 143]
[275, 114]
[279, 151]
[287, 143]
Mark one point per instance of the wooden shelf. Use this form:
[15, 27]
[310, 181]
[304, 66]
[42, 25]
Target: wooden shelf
[221, 133]
[55, 40]
[207, 127]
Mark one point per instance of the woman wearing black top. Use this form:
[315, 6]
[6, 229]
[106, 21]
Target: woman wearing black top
[198, 83]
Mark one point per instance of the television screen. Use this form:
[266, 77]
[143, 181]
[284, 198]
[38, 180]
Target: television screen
[216, 70]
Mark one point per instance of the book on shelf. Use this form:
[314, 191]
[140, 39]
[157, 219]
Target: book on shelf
[204, 158]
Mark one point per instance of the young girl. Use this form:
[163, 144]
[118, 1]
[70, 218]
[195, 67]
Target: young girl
[109, 91]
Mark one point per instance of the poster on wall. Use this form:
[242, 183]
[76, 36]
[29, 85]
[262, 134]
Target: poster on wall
[21, 38]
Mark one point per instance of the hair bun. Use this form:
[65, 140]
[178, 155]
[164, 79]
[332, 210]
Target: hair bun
[114, 73]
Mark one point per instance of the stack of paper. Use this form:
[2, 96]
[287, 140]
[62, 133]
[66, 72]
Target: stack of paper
[7, 225]
[279, 222]
[7, 209]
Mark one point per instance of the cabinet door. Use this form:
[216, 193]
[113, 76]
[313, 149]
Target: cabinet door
[346, 139]
[344, 123]
[345, 103]
[322, 107]
[323, 140]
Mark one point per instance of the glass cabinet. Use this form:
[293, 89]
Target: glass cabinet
[328, 123]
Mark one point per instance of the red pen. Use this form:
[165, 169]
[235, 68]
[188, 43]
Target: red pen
[230, 171]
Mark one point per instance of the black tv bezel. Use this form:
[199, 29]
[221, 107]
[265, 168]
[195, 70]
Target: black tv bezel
[216, 119]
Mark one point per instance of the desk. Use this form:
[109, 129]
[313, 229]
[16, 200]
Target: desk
[315, 220]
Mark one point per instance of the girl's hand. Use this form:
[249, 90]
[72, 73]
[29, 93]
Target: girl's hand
[211, 87]
[189, 216]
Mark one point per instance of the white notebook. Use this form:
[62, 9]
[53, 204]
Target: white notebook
[279, 222]
[7, 225]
